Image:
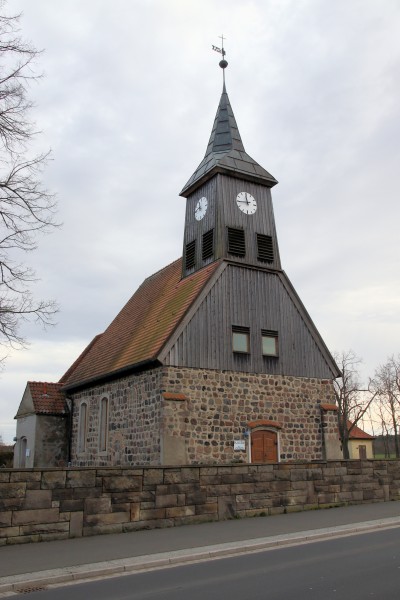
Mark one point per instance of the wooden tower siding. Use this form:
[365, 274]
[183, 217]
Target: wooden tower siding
[256, 299]
[222, 212]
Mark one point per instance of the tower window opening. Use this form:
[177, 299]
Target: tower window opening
[208, 245]
[265, 249]
[190, 255]
[236, 242]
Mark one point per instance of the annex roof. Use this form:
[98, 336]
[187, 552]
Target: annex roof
[48, 399]
[225, 153]
[358, 434]
[142, 327]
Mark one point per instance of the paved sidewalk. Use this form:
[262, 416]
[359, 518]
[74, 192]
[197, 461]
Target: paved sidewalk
[46, 563]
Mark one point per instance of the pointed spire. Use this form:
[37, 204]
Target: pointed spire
[225, 134]
[226, 154]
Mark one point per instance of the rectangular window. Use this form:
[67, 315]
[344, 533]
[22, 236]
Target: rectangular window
[241, 339]
[265, 250]
[190, 255]
[208, 245]
[269, 342]
[236, 242]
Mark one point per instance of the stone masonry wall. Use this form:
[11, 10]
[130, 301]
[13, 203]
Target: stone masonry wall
[133, 421]
[221, 404]
[38, 505]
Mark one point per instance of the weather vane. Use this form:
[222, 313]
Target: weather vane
[222, 63]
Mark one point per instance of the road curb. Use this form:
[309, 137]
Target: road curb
[31, 581]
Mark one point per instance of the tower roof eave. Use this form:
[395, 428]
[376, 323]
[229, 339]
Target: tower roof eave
[235, 163]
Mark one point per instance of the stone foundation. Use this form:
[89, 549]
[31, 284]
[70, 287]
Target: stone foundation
[38, 505]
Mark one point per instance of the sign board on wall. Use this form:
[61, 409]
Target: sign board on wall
[239, 445]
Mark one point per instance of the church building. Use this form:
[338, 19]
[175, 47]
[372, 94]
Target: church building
[214, 359]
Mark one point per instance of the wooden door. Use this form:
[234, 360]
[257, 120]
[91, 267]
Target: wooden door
[264, 447]
[362, 452]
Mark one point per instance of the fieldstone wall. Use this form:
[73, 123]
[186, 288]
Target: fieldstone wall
[38, 505]
[51, 441]
[172, 415]
[133, 421]
[221, 404]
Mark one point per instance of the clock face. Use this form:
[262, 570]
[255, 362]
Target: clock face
[201, 208]
[246, 203]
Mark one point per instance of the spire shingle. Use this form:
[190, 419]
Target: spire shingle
[225, 153]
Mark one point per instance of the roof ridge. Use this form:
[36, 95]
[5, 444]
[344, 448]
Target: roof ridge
[160, 271]
[78, 360]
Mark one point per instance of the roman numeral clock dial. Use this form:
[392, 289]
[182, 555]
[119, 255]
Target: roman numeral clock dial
[246, 203]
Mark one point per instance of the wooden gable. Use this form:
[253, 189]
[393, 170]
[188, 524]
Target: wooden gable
[256, 300]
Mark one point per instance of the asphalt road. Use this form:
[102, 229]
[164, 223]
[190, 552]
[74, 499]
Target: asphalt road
[355, 568]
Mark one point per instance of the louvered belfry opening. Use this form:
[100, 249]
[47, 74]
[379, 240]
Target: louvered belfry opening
[208, 245]
[265, 249]
[190, 255]
[236, 242]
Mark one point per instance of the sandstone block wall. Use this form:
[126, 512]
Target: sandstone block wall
[37, 505]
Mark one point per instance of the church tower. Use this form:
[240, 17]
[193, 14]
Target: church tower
[229, 210]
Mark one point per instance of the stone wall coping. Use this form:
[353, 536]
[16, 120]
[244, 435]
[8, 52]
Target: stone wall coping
[297, 463]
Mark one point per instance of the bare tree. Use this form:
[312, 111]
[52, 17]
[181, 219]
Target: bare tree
[353, 401]
[26, 207]
[386, 384]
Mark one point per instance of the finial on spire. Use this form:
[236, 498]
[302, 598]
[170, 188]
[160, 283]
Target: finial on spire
[222, 63]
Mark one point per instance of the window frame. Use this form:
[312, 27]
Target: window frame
[242, 331]
[270, 334]
[82, 427]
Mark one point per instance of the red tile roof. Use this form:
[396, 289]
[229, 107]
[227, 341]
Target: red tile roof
[358, 434]
[143, 326]
[48, 399]
[74, 365]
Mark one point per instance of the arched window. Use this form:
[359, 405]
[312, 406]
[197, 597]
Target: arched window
[103, 425]
[82, 427]
[22, 452]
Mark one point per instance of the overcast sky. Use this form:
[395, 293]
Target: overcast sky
[127, 103]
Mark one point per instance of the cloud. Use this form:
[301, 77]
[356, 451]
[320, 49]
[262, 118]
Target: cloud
[127, 104]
